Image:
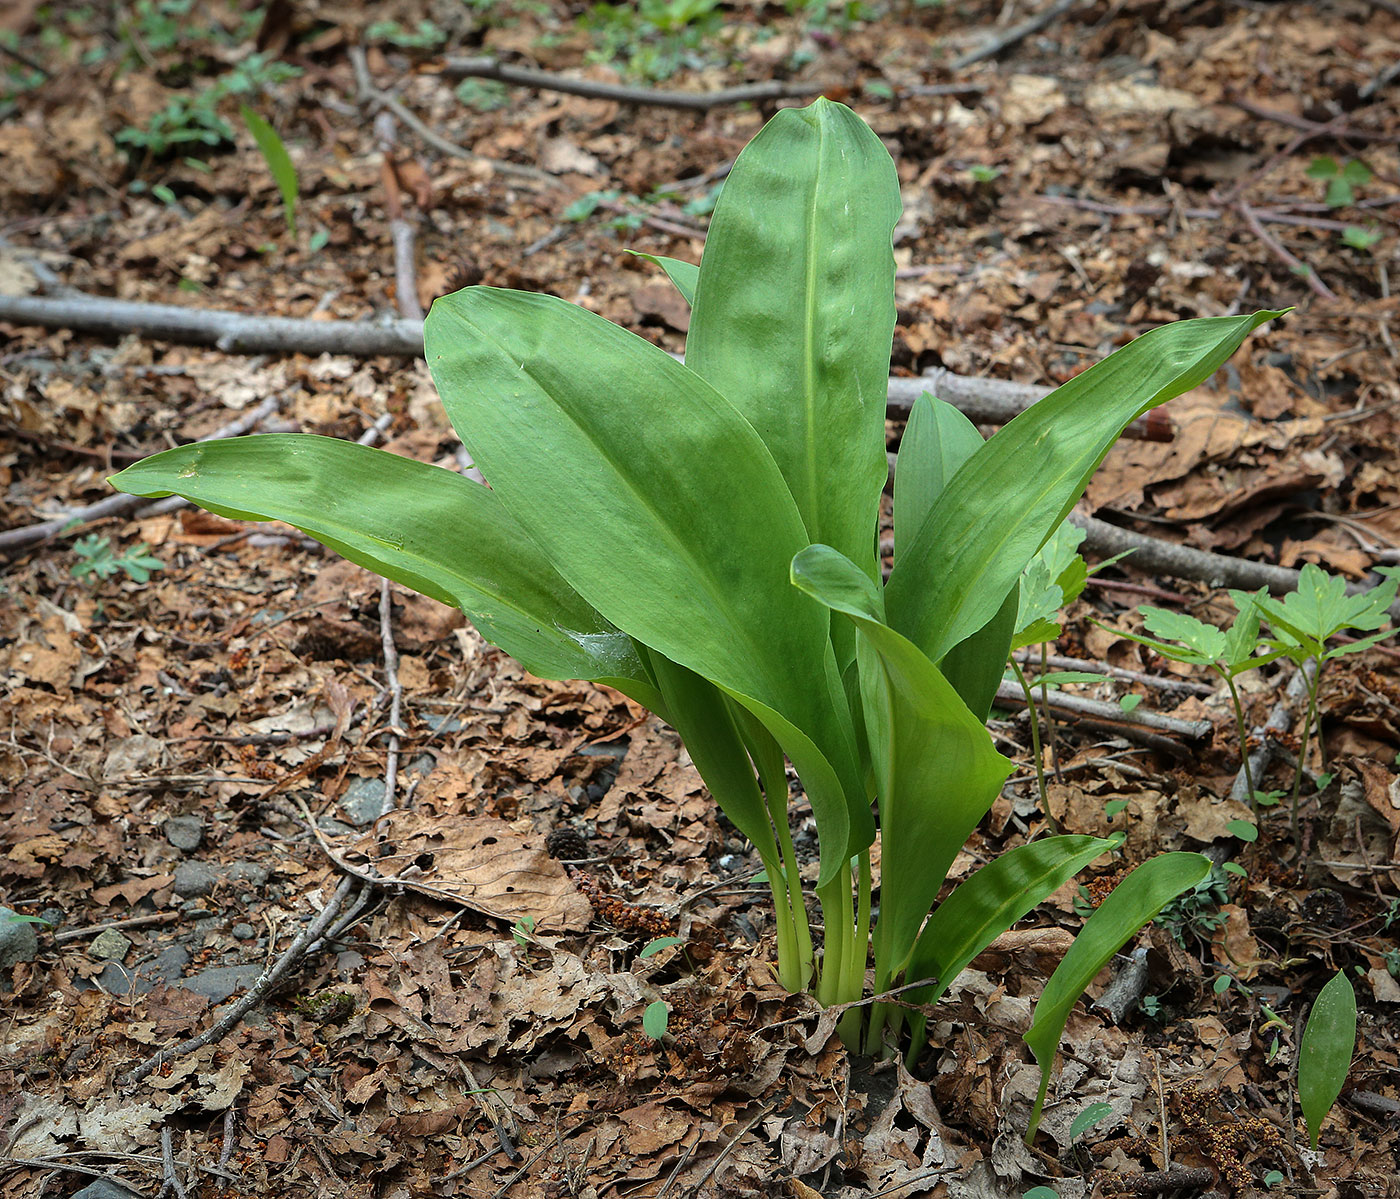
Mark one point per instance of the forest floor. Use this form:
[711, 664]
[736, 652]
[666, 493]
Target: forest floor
[169, 732]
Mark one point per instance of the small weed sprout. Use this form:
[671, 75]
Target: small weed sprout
[97, 557]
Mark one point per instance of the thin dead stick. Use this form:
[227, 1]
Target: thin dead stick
[269, 979]
[1157, 681]
[391, 671]
[1005, 40]
[401, 231]
[115, 505]
[372, 95]
[1194, 730]
[1317, 128]
[1281, 252]
[91, 930]
[232, 332]
[1268, 216]
[713, 1167]
[226, 1152]
[170, 1179]
[592, 89]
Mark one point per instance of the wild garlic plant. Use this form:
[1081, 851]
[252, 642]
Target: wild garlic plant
[702, 537]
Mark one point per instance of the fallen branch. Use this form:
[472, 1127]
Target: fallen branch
[1281, 252]
[1005, 40]
[231, 332]
[1316, 128]
[592, 89]
[1009, 692]
[117, 504]
[1157, 681]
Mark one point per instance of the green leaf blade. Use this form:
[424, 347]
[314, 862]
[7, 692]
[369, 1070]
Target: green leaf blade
[279, 163]
[1324, 1055]
[794, 311]
[1135, 901]
[1011, 494]
[429, 529]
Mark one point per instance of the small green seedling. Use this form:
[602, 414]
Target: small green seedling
[701, 536]
[1092, 1116]
[279, 162]
[1229, 653]
[1273, 1178]
[523, 930]
[1041, 1193]
[656, 946]
[1358, 238]
[1305, 620]
[1342, 179]
[656, 1019]
[1324, 1056]
[96, 557]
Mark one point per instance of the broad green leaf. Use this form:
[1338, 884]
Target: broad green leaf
[1013, 492]
[1319, 608]
[1324, 1055]
[427, 528]
[1207, 642]
[656, 500]
[279, 162]
[1131, 904]
[794, 312]
[984, 906]
[682, 274]
[937, 440]
[936, 769]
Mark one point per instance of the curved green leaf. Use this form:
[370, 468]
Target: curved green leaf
[937, 440]
[1013, 492]
[984, 906]
[1131, 904]
[427, 528]
[794, 312]
[1324, 1055]
[656, 500]
[682, 274]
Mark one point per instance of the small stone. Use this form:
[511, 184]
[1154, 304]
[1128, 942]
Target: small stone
[244, 931]
[168, 965]
[195, 879]
[219, 982]
[18, 940]
[54, 917]
[184, 832]
[106, 1188]
[109, 946]
[246, 872]
[363, 801]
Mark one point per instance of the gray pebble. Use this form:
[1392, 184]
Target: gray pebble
[18, 940]
[244, 931]
[219, 982]
[109, 946]
[363, 800]
[245, 872]
[106, 1188]
[184, 832]
[195, 879]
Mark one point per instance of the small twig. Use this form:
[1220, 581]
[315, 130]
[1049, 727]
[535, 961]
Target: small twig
[170, 1180]
[226, 1153]
[1158, 681]
[491, 68]
[1277, 248]
[115, 505]
[270, 978]
[1008, 38]
[91, 930]
[1010, 693]
[1159, 1182]
[391, 671]
[372, 95]
[24, 60]
[1316, 128]
[401, 231]
[694, 1188]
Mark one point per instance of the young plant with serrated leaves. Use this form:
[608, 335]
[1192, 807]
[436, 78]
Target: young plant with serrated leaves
[702, 537]
[1304, 621]
[1228, 652]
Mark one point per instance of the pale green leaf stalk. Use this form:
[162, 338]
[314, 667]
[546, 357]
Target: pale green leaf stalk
[279, 162]
[702, 537]
[1324, 1055]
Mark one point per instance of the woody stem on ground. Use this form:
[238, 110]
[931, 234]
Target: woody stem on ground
[1314, 682]
[1243, 735]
